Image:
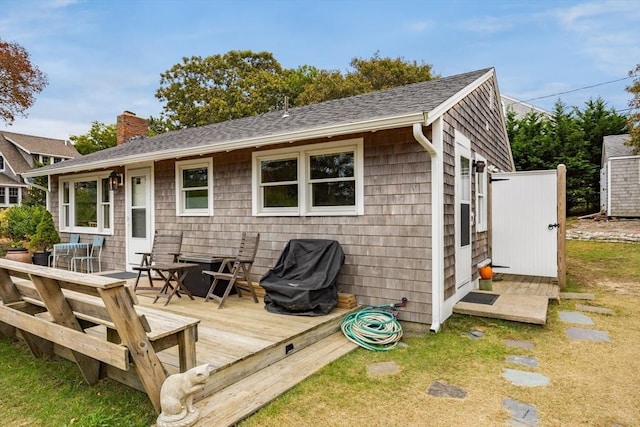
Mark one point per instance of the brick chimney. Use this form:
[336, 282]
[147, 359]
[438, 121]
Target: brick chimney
[129, 125]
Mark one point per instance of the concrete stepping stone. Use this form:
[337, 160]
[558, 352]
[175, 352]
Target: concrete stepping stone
[527, 345]
[594, 309]
[582, 334]
[526, 379]
[474, 335]
[575, 317]
[529, 361]
[439, 389]
[522, 414]
[383, 368]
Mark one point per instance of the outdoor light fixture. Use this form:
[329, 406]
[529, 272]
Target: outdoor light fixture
[115, 181]
[478, 166]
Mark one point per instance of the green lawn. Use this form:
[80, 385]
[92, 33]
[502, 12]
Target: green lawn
[591, 384]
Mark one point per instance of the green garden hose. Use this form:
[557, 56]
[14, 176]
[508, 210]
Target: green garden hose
[373, 328]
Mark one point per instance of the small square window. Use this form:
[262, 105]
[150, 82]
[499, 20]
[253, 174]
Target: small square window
[194, 187]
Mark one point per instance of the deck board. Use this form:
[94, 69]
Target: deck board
[522, 299]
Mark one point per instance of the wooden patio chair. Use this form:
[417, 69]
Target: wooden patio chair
[166, 249]
[234, 269]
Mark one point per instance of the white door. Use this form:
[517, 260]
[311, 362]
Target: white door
[139, 214]
[463, 215]
[524, 223]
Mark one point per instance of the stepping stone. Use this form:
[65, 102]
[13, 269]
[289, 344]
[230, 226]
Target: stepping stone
[575, 317]
[439, 389]
[526, 379]
[474, 335]
[522, 414]
[383, 368]
[576, 295]
[530, 361]
[527, 345]
[593, 309]
[582, 334]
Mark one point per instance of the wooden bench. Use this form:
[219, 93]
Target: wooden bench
[52, 306]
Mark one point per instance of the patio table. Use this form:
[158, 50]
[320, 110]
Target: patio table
[68, 250]
[173, 272]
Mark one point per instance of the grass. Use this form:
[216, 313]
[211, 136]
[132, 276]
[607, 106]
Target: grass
[592, 384]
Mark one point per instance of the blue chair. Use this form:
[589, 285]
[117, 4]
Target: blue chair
[94, 254]
[64, 251]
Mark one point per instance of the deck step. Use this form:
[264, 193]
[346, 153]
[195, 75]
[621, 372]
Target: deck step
[237, 401]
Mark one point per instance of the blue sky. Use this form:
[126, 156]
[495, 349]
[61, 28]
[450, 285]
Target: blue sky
[104, 57]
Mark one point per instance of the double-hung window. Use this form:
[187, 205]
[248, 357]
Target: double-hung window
[194, 187]
[86, 204]
[321, 179]
[481, 197]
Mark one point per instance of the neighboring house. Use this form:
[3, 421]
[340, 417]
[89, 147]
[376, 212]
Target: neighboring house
[520, 108]
[619, 178]
[391, 175]
[21, 153]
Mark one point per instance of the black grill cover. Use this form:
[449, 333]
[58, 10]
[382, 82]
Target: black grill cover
[303, 281]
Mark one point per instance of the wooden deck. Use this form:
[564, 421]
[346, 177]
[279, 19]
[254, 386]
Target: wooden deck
[522, 299]
[257, 355]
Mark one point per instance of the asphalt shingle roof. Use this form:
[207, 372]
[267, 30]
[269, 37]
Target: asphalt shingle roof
[41, 145]
[414, 98]
[614, 146]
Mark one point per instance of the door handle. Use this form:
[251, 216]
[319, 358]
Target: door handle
[552, 226]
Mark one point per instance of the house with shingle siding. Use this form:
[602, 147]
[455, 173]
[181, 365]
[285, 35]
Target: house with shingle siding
[392, 175]
[619, 178]
[20, 153]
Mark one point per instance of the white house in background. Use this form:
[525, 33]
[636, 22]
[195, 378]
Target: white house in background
[519, 107]
[21, 153]
[619, 178]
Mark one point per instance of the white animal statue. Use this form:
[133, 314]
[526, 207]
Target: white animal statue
[176, 397]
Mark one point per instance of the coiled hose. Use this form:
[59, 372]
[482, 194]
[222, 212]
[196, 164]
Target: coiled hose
[374, 328]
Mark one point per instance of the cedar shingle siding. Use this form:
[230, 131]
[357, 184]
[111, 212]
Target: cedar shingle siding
[625, 187]
[388, 248]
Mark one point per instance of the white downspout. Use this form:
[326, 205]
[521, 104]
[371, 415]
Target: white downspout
[437, 246]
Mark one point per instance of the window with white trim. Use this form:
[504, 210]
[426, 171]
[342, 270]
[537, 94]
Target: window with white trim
[481, 197]
[320, 179]
[194, 187]
[3, 196]
[14, 195]
[86, 204]
[1, 163]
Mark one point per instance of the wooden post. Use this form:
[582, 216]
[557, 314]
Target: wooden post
[562, 228]
[62, 314]
[119, 305]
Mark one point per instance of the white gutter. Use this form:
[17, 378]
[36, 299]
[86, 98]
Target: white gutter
[255, 142]
[437, 217]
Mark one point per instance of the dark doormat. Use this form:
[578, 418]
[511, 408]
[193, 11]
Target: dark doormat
[120, 275]
[480, 298]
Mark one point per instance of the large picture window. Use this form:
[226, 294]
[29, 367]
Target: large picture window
[86, 204]
[194, 188]
[321, 179]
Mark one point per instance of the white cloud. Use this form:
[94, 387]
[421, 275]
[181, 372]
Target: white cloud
[421, 27]
[491, 24]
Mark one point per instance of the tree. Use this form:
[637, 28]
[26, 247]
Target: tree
[367, 75]
[99, 137]
[217, 88]
[633, 122]
[569, 136]
[20, 81]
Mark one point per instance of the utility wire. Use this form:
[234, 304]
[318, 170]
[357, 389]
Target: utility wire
[576, 90]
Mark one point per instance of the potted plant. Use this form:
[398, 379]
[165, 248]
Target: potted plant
[18, 252]
[43, 240]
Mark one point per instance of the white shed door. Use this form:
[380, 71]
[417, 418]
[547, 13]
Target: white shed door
[524, 223]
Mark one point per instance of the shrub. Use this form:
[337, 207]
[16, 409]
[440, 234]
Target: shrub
[46, 234]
